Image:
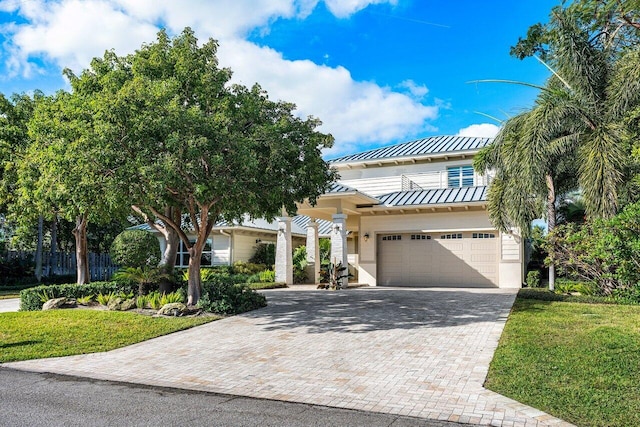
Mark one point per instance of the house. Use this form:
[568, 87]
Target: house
[410, 214]
[238, 241]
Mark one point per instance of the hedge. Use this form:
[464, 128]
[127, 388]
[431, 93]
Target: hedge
[30, 298]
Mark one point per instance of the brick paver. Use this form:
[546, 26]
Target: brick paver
[416, 352]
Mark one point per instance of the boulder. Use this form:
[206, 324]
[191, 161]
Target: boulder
[61, 302]
[115, 304]
[128, 304]
[173, 309]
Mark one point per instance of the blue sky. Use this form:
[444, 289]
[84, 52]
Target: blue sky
[375, 72]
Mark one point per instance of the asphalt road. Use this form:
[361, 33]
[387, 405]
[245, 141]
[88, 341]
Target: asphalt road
[32, 399]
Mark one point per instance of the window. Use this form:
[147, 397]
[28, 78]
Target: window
[460, 176]
[483, 236]
[451, 236]
[396, 237]
[420, 237]
[206, 260]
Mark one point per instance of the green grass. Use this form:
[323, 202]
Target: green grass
[40, 334]
[578, 362]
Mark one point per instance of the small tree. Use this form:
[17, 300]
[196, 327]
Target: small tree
[135, 248]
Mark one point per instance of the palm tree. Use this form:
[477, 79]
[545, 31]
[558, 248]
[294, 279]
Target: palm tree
[572, 137]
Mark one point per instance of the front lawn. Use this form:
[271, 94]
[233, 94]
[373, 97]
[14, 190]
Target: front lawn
[39, 334]
[578, 362]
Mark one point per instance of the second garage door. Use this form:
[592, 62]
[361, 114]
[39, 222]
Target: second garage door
[467, 259]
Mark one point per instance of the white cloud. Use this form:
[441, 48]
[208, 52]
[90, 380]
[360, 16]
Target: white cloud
[69, 33]
[345, 8]
[416, 90]
[483, 130]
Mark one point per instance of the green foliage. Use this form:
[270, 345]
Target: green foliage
[267, 285]
[267, 276]
[606, 252]
[105, 299]
[155, 300]
[135, 248]
[533, 278]
[143, 276]
[541, 294]
[565, 286]
[16, 271]
[229, 298]
[30, 298]
[241, 267]
[142, 301]
[300, 264]
[85, 300]
[265, 254]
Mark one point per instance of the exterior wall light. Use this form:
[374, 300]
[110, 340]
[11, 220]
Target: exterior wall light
[366, 237]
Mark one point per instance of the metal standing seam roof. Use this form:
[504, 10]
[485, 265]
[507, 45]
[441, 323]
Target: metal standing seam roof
[324, 227]
[420, 147]
[434, 197]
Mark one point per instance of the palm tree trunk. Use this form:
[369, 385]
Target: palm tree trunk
[551, 224]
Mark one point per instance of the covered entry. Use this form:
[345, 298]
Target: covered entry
[460, 259]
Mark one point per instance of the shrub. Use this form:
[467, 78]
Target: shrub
[17, 271]
[533, 278]
[104, 299]
[300, 264]
[241, 267]
[267, 276]
[266, 285]
[630, 295]
[566, 286]
[265, 254]
[135, 248]
[229, 298]
[603, 251]
[144, 276]
[142, 301]
[30, 298]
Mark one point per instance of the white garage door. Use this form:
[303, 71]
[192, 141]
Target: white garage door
[467, 259]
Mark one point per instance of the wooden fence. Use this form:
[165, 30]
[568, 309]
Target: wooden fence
[63, 263]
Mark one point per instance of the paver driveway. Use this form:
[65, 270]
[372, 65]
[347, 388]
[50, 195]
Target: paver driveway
[416, 352]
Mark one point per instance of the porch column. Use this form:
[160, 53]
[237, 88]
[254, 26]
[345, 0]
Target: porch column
[339, 245]
[313, 251]
[284, 252]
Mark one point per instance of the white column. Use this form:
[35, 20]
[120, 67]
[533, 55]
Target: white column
[313, 251]
[284, 252]
[339, 244]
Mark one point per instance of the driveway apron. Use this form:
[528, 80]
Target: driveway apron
[414, 352]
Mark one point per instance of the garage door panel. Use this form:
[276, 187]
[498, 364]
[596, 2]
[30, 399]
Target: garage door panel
[443, 259]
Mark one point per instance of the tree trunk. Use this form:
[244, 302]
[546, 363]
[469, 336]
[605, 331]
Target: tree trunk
[195, 254]
[39, 249]
[172, 239]
[53, 251]
[551, 224]
[194, 290]
[82, 262]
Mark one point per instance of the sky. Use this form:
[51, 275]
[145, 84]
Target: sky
[375, 72]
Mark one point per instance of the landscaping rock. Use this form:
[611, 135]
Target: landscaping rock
[57, 303]
[114, 304]
[128, 304]
[173, 309]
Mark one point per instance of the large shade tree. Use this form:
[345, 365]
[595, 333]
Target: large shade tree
[63, 171]
[571, 138]
[192, 141]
